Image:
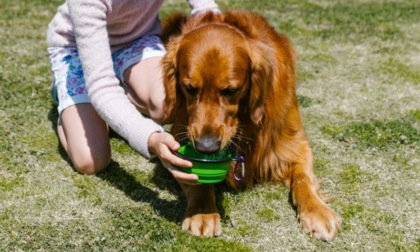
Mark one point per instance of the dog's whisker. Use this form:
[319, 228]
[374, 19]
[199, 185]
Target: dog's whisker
[240, 134]
[242, 138]
[237, 146]
[181, 135]
[178, 125]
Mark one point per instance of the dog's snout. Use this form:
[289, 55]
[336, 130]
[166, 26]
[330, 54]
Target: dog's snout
[207, 144]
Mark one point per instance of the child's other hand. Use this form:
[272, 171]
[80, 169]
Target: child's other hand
[162, 144]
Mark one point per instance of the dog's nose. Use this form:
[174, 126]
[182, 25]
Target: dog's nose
[207, 144]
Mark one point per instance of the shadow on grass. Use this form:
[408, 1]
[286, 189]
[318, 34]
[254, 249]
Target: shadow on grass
[171, 210]
[121, 179]
[53, 117]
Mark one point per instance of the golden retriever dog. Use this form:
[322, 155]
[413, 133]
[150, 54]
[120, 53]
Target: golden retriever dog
[230, 78]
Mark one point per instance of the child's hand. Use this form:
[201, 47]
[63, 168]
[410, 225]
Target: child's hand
[162, 144]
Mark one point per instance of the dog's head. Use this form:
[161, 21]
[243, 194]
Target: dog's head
[216, 75]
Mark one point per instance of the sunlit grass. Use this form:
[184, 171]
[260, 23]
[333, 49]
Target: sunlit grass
[358, 87]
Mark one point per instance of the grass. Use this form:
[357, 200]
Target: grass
[358, 88]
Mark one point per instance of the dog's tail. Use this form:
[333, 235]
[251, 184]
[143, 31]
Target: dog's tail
[172, 26]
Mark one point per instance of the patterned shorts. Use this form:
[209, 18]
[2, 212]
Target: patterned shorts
[69, 88]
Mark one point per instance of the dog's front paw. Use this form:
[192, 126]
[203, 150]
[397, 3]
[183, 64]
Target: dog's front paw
[203, 224]
[320, 222]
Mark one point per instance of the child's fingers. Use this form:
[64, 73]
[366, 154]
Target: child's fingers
[170, 141]
[165, 153]
[180, 176]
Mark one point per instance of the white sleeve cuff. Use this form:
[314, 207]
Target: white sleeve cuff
[198, 6]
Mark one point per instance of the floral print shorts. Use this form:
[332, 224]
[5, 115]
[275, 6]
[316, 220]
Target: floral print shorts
[69, 88]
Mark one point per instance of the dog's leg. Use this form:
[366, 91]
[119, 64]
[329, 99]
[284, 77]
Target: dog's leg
[201, 217]
[315, 217]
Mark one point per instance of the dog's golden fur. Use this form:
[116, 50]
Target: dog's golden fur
[230, 79]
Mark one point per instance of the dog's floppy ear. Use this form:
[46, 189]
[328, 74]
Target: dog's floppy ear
[169, 66]
[261, 78]
[273, 67]
[171, 36]
[172, 26]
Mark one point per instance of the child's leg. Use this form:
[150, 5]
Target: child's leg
[82, 133]
[141, 74]
[84, 136]
[145, 87]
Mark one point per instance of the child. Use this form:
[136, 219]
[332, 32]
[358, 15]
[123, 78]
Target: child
[94, 46]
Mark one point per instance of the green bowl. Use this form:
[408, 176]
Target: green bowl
[210, 168]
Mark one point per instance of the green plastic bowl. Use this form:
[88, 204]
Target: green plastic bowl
[210, 168]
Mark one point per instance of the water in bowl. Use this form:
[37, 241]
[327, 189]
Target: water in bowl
[188, 150]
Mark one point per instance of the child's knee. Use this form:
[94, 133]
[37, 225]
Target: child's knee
[91, 164]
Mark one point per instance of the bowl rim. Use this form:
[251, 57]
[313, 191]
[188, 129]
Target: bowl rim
[208, 161]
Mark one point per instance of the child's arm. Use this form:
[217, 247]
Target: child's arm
[107, 97]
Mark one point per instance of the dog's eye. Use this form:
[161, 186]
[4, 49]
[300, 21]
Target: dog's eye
[191, 90]
[227, 92]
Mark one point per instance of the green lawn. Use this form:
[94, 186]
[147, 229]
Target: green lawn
[359, 90]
